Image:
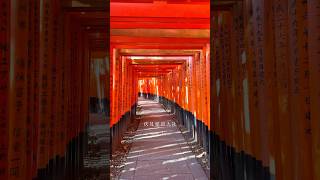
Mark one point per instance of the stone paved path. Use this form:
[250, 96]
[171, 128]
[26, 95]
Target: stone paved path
[159, 150]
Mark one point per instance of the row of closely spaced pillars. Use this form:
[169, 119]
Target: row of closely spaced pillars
[265, 92]
[44, 90]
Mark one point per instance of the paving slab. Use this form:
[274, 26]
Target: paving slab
[159, 150]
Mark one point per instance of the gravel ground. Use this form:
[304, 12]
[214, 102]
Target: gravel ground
[96, 160]
[119, 156]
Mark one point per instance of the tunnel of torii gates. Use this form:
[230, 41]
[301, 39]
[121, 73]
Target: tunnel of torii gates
[251, 98]
[161, 51]
[261, 119]
[242, 76]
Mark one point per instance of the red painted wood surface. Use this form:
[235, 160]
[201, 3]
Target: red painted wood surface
[4, 86]
[314, 56]
[274, 47]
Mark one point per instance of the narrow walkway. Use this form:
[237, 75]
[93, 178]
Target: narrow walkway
[159, 150]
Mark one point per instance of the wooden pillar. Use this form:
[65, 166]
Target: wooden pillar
[314, 57]
[299, 90]
[283, 137]
[5, 28]
[18, 89]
